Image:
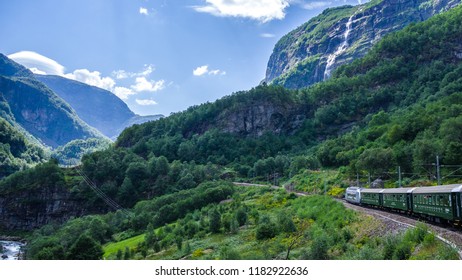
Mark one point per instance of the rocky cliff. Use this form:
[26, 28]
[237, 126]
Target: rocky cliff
[258, 118]
[311, 52]
[44, 195]
[31, 209]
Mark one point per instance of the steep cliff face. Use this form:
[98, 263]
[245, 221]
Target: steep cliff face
[42, 195]
[311, 52]
[43, 114]
[30, 209]
[258, 118]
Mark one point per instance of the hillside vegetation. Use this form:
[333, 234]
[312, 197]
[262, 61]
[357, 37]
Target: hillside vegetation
[400, 105]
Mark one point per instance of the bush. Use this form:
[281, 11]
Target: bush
[85, 248]
[266, 228]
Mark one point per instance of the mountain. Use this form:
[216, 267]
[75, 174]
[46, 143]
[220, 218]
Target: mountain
[99, 108]
[399, 105]
[403, 92]
[16, 153]
[311, 52]
[38, 109]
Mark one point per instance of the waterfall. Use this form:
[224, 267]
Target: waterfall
[341, 49]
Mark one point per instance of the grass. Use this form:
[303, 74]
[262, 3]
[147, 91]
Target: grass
[332, 232]
[112, 248]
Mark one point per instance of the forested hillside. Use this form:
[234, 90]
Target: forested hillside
[402, 101]
[400, 105]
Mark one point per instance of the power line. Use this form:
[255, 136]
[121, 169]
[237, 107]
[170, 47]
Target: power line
[102, 195]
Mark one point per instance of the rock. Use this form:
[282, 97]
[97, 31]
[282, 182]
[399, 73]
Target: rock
[32, 208]
[377, 184]
[258, 118]
[299, 59]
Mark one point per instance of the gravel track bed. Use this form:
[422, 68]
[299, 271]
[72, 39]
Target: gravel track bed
[395, 222]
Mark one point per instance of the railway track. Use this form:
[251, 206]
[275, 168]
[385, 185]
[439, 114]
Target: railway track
[450, 236]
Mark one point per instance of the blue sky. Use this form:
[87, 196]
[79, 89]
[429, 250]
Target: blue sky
[159, 56]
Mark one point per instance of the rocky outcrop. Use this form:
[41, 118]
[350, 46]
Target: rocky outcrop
[31, 209]
[311, 52]
[256, 119]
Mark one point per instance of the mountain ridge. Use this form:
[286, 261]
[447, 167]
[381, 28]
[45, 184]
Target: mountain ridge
[38, 109]
[309, 53]
[99, 108]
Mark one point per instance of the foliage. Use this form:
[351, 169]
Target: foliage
[398, 106]
[16, 152]
[73, 151]
[85, 248]
[81, 237]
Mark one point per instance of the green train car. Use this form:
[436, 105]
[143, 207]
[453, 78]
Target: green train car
[436, 203]
[441, 202]
[397, 198]
[371, 197]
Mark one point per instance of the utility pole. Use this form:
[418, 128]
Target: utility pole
[399, 176]
[438, 170]
[357, 180]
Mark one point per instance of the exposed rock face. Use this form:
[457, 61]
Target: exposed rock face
[31, 209]
[339, 35]
[255, 119]
[377, 184]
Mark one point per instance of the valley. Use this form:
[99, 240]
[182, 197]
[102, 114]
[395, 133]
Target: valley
[367, 96]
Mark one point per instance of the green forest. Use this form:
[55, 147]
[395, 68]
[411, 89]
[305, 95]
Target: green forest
[399, 106]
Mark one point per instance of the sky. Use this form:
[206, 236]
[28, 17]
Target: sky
[158, 56]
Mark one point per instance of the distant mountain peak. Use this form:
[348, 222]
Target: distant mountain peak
[99, 108]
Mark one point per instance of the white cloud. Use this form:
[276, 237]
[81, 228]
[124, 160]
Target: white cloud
[204, 69]
[38, 63]
[123, 92]
[143, 11]
[267, 35]
[92, 78]
[37, 71]
[217, 72]
[316, 5]
[142, 84]
[146, 102]
[261, 10]
[122, 74]
[201, 70]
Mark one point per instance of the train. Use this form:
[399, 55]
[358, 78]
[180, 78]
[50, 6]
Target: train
[441, 204]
